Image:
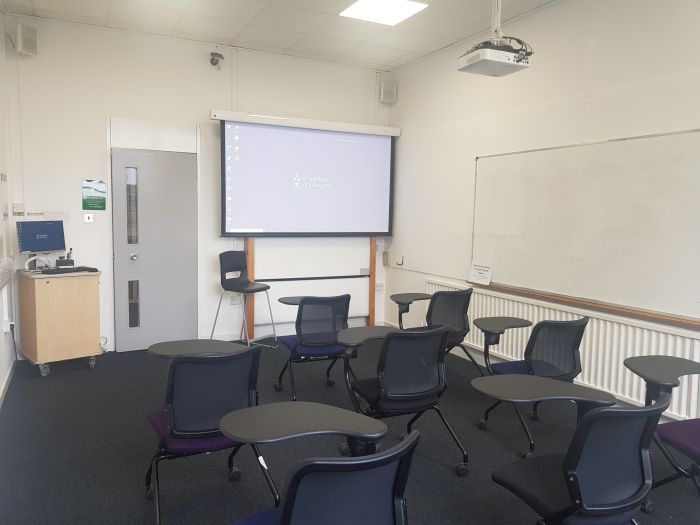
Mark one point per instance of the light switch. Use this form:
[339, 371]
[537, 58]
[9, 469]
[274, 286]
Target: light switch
[88, 217]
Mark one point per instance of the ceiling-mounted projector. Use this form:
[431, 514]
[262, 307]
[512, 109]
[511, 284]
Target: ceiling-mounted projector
[498, 56]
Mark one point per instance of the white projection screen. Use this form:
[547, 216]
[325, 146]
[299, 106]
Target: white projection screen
[290, 181]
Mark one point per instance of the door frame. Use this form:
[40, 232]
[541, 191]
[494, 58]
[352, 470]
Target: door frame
[154, 135]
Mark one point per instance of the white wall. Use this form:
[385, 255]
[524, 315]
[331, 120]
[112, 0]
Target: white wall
[600, 70]
[83, 75]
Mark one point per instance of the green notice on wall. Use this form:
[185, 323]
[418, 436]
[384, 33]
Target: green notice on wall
[94, 195]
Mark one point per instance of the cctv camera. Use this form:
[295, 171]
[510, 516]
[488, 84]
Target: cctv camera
[216, 58]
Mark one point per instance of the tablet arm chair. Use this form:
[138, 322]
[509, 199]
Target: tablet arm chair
[319, 319]
[599, 481]
[410, 380]
[346, 491]
[200, 391]
[451, 309]
[552, 351]
[235, 262]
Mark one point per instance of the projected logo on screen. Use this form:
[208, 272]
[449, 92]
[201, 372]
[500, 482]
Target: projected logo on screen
[306, 182]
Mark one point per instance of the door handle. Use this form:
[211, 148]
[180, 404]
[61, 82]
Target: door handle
[133, 256]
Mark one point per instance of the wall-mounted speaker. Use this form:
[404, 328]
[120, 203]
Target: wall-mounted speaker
[25, 40]
[387, 91]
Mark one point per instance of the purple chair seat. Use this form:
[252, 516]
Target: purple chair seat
[290, 341]
[158, 421]
[268, 517]
[684, 436]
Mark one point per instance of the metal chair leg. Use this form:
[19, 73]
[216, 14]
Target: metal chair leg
[291, 380]
[526, 429]
[156, 491]
[485, 419]
[245, 318]
[266, 473]
[216, 316]
[471, 358]
[465, 457]
[272, 319]
[409, 425]
[234, 451]
[278, 385]
[329, 380]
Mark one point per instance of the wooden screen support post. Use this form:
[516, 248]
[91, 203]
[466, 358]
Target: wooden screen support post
[372, 278]
[250, 300]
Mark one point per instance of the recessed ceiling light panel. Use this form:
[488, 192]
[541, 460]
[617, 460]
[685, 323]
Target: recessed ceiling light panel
[387, 12]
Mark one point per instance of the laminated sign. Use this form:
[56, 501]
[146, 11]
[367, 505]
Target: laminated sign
[94, 195]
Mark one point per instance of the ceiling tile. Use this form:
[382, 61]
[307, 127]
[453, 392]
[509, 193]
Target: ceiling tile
[291, 18]
[327, 6]
[324, 46]
[125, 11]
[439, 20]
[405, 59]
[168, 4]
[231, 9]
[81, 8]
[270, 37]
[403, 38]
[373, 54]
[140, 29]
[209, 26]
[349, 29]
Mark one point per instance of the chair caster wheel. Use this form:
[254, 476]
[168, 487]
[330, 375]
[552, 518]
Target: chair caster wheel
[344, 449]
[149, 493]
[234, 474]
[462, 470]
[648, 507]
[330, 381]
[44, 369]
[278, 387]
[482, 424]
[91, 362]
[403, 436]
[527, 455]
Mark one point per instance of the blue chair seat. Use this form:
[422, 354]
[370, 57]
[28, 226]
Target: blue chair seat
[684, 436]
[269, 517]
[158, 421]
[509, 367]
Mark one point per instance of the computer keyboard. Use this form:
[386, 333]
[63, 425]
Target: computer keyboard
[68, 269]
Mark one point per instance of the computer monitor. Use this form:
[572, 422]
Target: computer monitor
[40, 236]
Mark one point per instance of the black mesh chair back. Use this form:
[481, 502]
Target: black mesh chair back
[234, 262]
[367, 490]
[608, 465]
[319, 319]
[411, 364]
[553, 349]
[450, 309]
[202, 389]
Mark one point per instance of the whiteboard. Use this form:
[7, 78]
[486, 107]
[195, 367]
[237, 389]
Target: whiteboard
[617, 222]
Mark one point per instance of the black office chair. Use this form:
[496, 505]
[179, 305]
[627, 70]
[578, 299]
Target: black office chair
[319, 319]
[200, 391]
[604, 477]
[410, 380]
[552, 351]
[451, 309]
[367, 490]
[235, 262]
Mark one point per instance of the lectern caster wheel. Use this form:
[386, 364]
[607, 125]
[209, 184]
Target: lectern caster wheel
[234, 474]
[482, 424]
[462, 470]
[91, 362]
[44, 369]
